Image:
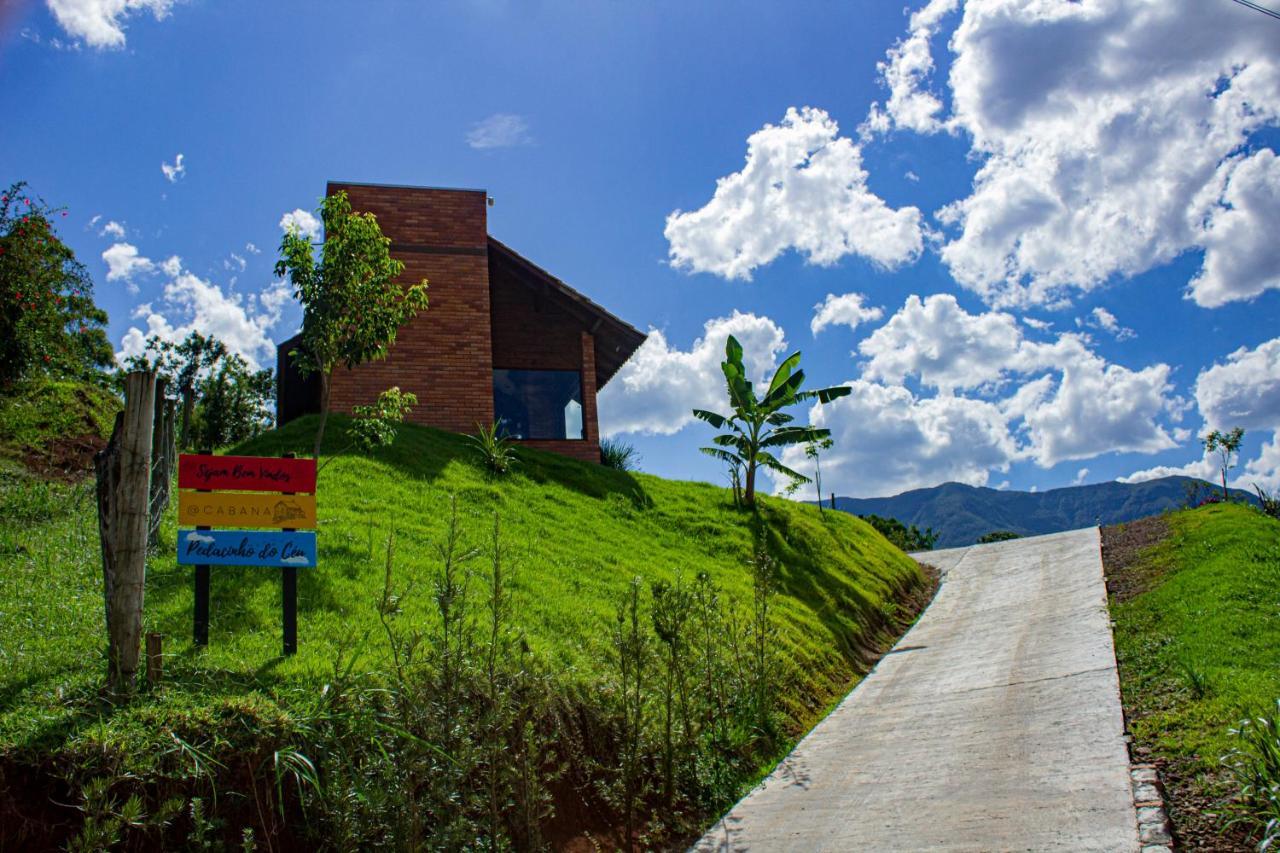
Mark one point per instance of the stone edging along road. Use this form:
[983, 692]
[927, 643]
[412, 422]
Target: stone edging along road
[994, 724]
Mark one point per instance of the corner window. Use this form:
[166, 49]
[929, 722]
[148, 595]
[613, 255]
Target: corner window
[538, 403]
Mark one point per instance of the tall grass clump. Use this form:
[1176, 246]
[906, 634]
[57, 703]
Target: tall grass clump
[497, 453]
[618, 455]
[1255, 765]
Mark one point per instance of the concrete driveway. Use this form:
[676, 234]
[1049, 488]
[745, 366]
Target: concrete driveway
[994, 724]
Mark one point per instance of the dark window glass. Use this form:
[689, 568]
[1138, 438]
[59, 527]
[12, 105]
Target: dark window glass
[538, 403]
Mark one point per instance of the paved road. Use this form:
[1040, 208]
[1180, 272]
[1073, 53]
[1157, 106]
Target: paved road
[995, 724]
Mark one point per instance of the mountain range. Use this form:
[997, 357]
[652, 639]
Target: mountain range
[959, 514]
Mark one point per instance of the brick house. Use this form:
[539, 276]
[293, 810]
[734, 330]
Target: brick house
[502, 339]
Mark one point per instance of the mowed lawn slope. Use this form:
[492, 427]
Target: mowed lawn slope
[1198, 643]
[576, 534]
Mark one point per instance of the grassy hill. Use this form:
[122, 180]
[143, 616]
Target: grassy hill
[960, 514]
[574, 536]
[1194, 598]
[54, 426]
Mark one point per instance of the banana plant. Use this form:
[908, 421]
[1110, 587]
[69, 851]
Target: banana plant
[758, 425]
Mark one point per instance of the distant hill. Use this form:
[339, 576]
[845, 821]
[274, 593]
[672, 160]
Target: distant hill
[959, 514]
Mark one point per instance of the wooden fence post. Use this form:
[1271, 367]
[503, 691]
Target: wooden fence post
[124, 495]
[163, 459]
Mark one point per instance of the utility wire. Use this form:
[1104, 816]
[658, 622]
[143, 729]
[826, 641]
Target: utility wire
[1249, 4]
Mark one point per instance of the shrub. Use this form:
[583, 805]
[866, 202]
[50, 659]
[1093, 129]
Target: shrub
[496, 452]
[905, 538]
[998, 536]
[1268, 502]
[1255, 765]
[618, 455]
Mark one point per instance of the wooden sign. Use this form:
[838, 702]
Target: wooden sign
[246, 473]
[284, 548]
[247, 509]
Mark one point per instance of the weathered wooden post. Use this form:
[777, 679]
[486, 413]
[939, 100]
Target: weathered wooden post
[124, 494]
[155, 658]
[163, 456]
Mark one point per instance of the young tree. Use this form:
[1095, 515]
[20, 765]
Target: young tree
[234, 403]
[184, 366]
[814, 450]
[759, 424]
[351, 302]
[48, 319]
[1227, 446]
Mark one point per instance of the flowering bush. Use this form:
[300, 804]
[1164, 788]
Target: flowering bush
[48, 319]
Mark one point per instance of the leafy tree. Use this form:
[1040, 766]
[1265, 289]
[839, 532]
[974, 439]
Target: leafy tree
[905, 538]
[351, 302]
[234, 403]
[758, 424]
[48, 319]
[1227, 446]
[998, 536]
[183, 366]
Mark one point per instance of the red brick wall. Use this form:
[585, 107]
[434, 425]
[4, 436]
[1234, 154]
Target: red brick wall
[444, 354]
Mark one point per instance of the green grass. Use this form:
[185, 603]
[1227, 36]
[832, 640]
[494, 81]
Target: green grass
[1200, 649]
[577, 534]
[40, 411]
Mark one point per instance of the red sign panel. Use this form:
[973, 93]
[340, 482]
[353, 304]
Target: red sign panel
[246, 473]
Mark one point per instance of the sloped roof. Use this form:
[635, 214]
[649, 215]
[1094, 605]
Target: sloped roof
[615, 339]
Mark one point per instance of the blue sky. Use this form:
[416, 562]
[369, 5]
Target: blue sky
[1103, 167]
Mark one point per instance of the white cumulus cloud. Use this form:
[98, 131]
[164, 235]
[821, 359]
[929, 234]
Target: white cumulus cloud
[844, 310]
[1243, 391]
[803, 187]
[657, 389]
[887, 440]
[124, 263]
[190, 303]
[100, 23]
[1101, 318]
[301, 221]
[1242, 252]
[1103, 152]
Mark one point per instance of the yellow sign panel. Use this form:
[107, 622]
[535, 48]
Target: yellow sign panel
[246, 509]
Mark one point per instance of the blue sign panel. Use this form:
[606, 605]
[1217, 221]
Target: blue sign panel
[247, 548]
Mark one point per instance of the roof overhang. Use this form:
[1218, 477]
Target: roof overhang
[615, 339]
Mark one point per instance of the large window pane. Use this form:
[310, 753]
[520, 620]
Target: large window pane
[538, 403]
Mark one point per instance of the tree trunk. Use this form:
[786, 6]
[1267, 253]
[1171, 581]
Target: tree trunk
[188, 412]
[749, 498]
[124, 492]
[324, 413]
[1226, 498]
[817, 480]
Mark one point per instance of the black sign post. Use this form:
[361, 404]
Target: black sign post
[200, 622]
[289, 599]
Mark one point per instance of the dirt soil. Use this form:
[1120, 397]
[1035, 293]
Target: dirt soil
[66, 459]
[1195, 813]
